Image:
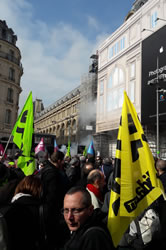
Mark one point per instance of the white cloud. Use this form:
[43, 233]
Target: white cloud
[53, 58]
[93, 23]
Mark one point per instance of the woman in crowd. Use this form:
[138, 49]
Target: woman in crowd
[22, 217]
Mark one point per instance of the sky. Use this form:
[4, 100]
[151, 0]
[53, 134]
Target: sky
[56, 39]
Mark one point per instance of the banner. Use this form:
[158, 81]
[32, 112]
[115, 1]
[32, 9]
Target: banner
[23, 135]
[135, 185]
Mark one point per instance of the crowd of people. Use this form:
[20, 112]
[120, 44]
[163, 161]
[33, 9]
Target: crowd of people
[64, 205]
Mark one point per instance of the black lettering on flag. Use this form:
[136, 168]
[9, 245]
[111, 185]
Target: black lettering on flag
[118, 145]
[20, 131]
[116, 174]
[131, 125]
[115, 185]
[144, 138]
[24, 116]
[115, 206]
[134, 149]
[121, 121]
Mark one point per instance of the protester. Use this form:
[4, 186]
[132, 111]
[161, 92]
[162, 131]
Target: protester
[95, 185]
[55, 184]
[88, 232]
[98, 162]
[22, 217]
[82, 161]
[73, 172]
[161, 169]
[9, 178]
[86, 169]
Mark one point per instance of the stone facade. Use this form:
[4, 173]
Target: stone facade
[72, 117]
[60, 118]
[10, 75]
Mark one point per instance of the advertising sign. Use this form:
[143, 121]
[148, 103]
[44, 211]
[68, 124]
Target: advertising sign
[153, 76]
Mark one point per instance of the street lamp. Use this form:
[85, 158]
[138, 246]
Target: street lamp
[157, 106]
[162, 19]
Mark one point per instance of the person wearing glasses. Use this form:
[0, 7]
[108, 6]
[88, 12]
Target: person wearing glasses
[87, 229]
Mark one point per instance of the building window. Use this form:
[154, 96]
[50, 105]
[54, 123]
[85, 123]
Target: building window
[115, 89]
[9, 37]
[10, 95]
[153, 21]
[11, 55]
[132, 81]
[8, 116]
[132, 70]
[12, 74]
[132, 91]
[101, 87]
[116, 48]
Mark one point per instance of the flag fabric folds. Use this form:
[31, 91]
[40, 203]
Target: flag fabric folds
[40, 146]
[91, 148]
[135, 185]
[23, 135]
[55, 146]
[68, 150]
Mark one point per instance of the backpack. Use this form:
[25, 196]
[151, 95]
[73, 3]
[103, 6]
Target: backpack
[144, 230]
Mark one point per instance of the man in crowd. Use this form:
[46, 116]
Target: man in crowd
[95, 185]
[86, 169]
[88, 232]
[161, 169]
[55, 184]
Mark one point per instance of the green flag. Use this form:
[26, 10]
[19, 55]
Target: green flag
[22, 137]
[85, 151]
[68, 150]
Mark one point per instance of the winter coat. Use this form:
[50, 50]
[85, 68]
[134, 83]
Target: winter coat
[55, 185]
[23, 225]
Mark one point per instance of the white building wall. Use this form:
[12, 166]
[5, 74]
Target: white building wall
[126, 60]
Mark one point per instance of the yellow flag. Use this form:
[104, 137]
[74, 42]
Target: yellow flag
[135, 185]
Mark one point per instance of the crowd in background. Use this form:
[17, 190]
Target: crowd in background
[64, 204]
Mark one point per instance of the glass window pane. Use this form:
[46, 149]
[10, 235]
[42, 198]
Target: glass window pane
[121, 95]
[115, 97]
[115, 77]
[101, 87]
[132, 70]
[101, 105]
[109, 102]
[110, 82]
[132, 91]
[121, 76]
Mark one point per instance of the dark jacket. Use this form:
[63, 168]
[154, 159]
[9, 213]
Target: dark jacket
[23, 226]
[13, 177]
[55, 185]
[162, 177]
[93, 235]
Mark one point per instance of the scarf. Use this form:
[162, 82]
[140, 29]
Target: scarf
[19, 195]
[96, 191]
